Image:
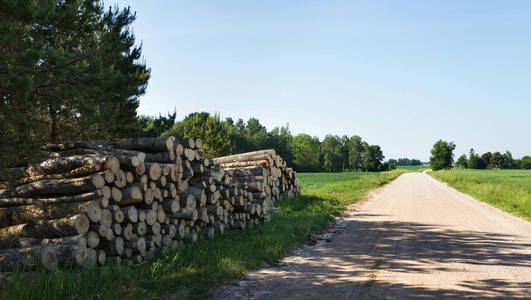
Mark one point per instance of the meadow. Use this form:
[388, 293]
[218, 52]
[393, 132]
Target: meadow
[509, 190]
[190, 271]
[413, 168]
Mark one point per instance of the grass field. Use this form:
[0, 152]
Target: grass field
[413, 168]
[193, 269]
[509, 190]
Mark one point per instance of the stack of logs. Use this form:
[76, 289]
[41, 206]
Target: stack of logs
[124, 200]
[262, 172]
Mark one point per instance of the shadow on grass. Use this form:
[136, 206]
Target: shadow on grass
[192, 269]
[188, 271]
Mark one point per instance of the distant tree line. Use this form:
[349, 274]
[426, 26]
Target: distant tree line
[405, 162]
[442, 157]
[304, 152]
[491, 160]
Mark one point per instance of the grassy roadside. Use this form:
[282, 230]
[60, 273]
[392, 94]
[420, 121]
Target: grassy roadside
[508, 190]
[192, 269]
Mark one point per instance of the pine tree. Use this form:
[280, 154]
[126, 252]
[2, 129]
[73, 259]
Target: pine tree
[70, 70]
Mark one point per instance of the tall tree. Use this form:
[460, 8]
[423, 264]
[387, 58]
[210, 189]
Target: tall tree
[356, 148]
[485, 157]
[72, 68]
[331, 151]
[442, 156]
[372, 158]
[496, 161]
[462, 162]
[306, 153]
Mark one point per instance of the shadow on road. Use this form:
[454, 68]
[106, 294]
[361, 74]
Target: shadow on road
[348, 266]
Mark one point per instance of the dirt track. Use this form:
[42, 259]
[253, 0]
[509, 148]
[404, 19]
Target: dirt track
[414, 238]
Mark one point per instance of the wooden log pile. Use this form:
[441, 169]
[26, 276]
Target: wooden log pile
[264, 173]
[124, 200]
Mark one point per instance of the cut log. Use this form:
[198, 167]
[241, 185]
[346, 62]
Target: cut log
[127, 232]
[28, 213]
[28, 258]
[198, 143]
[140, 228]
[74, 225]
[57, 186]
[116, 194]
[101, 257]
[138, 245]
[153, 170]
[93, 239]
[131, 195]
[171, 205]
[263, 163]
[145, 144]
[130, 213]
[92, 195]
[151, 217]
[187, 214]
[161, 157]
[16, 242]
[71, 254]
[67, 164]
[198, 193]
[106, 217]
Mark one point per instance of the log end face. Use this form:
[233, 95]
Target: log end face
[112, 164]
[82, 224]
[169, 144]
[98, 181]
[94, 211]
[49, 258]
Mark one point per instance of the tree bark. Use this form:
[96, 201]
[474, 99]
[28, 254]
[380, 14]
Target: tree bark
[74, 225]
[67, 164]
[145, 144]
[28, 213]
[263, 163]
[57, 186]
[28, 258]
[161, 157]
[16, 242]
[92, 195]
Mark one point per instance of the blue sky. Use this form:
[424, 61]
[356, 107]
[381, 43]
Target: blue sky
[401, 74]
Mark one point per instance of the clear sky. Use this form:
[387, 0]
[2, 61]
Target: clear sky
[401, 74]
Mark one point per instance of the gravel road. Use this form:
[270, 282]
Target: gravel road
[414, 238]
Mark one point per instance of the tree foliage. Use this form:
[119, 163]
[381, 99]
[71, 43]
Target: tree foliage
[70, 70]
[442, 156]
[303, 152]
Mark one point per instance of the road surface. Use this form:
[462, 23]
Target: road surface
[414, 238]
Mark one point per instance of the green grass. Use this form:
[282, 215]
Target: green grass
[193, 269]
[509, 190]
[413, 168]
